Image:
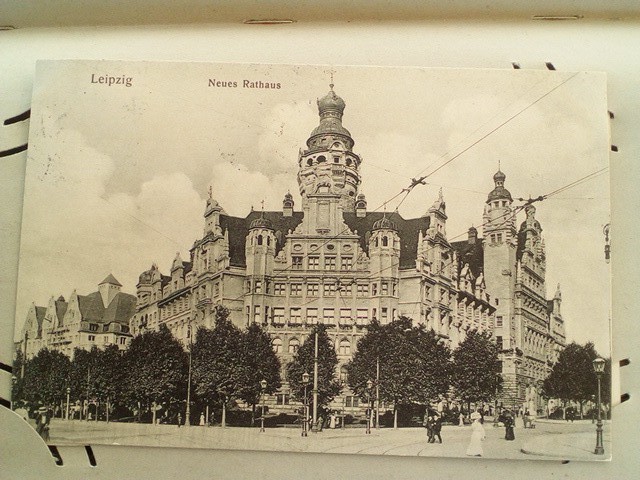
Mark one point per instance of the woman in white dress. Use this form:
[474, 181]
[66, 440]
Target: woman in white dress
[477, 436]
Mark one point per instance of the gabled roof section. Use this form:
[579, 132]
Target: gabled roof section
[40, 313]
[61, 309]
[120, 310]
[111, 280]
[470, 253]
[238, 229]
[91, 307]
[407, 231]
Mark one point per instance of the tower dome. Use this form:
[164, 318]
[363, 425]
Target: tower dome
[330, 108]
[499, 192]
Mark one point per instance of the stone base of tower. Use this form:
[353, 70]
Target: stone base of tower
[513, 384]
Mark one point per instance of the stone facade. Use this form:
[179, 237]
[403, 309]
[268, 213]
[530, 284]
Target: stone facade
[331, 262]
[100, 318]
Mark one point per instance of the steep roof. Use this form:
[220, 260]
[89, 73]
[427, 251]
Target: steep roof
[121, 309]
[61, 309]
[91, 307]
[238, 229]
[471, 253]
[111, 280]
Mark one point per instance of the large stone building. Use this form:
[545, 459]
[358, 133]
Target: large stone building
[331, 262]
[100, 318]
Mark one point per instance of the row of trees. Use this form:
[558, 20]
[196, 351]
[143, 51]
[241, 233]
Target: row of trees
[226, 364]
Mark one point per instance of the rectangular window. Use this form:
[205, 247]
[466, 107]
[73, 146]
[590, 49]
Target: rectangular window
[216, 288]
[313, 289]
[384, 288]
[258, 286]
[256, 314]
[122, 340]
[498, 321]
[312, 316]
[351, 401]
[282, 399]
[328, 315]
[374, 289]
[499, 342]
[91, 338]
[313, 263]
[296, 289]
[93, 327]
[345, 289]
[345, 316]
[362, 290]
[296, 263]
[362, 317]
[329, 289]
[499, 237]
[346, 263]
[384, 314]
[295, 316]
[330, 263]
[278, 315]
[279, 288]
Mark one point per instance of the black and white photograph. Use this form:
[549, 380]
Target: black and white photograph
[317, 258]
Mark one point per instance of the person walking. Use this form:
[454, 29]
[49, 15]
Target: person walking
[202, 419]
[179, 419]
[428, 424]
[437, 428]
[509, 423]
[477, 436]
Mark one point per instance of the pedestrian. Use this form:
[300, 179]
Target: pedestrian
[42, 423]
[461, 420]
[427, 423]
[179, 419]
[202, 419]
[477, 436]
[509, 423]
[437, 428]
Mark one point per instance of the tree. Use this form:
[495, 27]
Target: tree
[219, 373]
[17, 387]
[156, 367]
[46, 377]
[476, 368]
[80, 382]
[573, 377]
[328, 385]
[108, 375]
[261, 363]
[414, 365]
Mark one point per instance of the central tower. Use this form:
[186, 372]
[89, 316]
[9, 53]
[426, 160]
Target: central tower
[328, 167]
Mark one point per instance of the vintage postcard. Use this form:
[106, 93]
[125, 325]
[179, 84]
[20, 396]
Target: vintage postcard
[366, 260]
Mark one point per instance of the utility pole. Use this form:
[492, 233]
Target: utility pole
[377, 393]
[314, 427]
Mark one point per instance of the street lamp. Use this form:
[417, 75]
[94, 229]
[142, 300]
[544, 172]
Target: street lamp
[598, 366]
[263, 387]
[369, 387]
[67, 413]
[305, 382]
[187, 413]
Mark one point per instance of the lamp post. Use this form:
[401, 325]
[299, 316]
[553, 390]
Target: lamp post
[377, 393]
[369, 387]
[263, 387]
[598, 366]
[67, 411]
[314, 427]
[187, 413]
[305, 405]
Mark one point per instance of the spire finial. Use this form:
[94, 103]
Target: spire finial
[210, 192]
[262, 208]
[331, 84]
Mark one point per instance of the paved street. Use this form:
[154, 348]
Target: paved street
[550, 440]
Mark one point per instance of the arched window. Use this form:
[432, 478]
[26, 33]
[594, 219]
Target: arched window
[268, 240]
[309, 162]
[259, 239]
[377, 242]
[321, 159]
[276, 344]
[344, 376]
[385, 241]
[294, 344]
[345, 347]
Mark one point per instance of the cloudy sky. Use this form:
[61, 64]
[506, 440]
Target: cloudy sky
[117, 176]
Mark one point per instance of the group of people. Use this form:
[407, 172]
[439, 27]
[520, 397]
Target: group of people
[433, 424]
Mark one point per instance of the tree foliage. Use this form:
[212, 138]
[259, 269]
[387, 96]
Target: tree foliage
[328, 384]
[156, 368]
[476, 368]
[218, 370]
[573, 377]
[414, 365]
[17, 388]
[261, 363]
[46, 377]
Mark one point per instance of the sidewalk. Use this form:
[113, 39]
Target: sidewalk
[568, 446]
